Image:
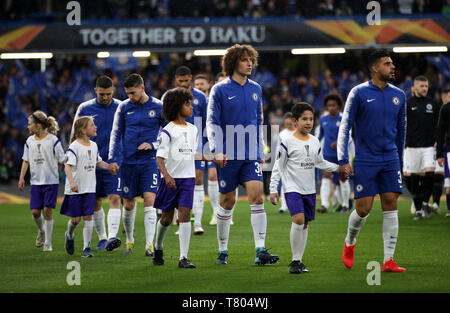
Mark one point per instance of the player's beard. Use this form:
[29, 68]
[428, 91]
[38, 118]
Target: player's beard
[388, 78]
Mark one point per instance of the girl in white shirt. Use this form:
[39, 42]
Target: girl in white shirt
[79, 199]
[42, 153]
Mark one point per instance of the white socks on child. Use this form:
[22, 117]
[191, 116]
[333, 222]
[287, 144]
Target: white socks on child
[48, 228]
[184, 238]
[161, 231]
[197, 207]
[88, 227]
[298, 238]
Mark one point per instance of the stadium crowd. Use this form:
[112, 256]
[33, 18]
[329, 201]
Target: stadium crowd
[54, 11]
[68, 82]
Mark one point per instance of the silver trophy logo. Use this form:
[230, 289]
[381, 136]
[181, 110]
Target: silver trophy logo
[39, 148]
[307, 150]
[89, 153]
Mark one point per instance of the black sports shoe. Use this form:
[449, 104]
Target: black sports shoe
[222, 258]
[294, 267]
[339, 209]
[185, 263]
[322, 209]
[158, 257]
[264, 257]
[297, 267]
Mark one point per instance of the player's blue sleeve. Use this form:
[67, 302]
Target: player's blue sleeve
[348, 118]
[213, 116]
[204, 110]
[401, 130]
[115, 146]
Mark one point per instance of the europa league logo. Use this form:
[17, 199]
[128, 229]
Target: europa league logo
[89, 153]
[39, 148]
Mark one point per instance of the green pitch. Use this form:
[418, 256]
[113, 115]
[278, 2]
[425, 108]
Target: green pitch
[423, 249]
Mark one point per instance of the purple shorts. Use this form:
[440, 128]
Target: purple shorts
[298, 203]
[43, 196]
[78, 205]
[183, 196]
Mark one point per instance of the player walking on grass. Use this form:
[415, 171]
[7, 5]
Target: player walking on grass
[377, 112]
[42, 153]
[422, 115]
[134, 135]
[79, 199]
[202, 83]
[176, 162]
[298, 154]
[102, 109]
[234, 119]
[443, 138]
[329, 128]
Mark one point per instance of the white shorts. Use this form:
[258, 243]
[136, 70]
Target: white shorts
[415, 160]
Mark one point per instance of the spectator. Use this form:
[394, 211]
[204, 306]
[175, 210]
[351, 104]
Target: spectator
[344, 9]
[446, 8]
[326, 8]
[405, 6]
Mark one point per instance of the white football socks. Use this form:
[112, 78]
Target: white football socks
[184, 239]
[71, 228]
[149, 225]
[345, 193]
[39, 223]
[223, 227]
[113, 218]
[88, 227]
[99, 224]
[325, 190]
[161, 231]
[390, 233]
[355, 223]
[213, 193]
[298, 237]
[199, 200]
[259, 224]
[48, 228]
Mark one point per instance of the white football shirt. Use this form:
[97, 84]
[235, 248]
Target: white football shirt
[43, 155]
[296, 162]
[178, 144]
[84, 159]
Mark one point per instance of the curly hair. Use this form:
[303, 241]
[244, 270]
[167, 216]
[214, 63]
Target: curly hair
[173, 101]
[231, 58]
[333, 96]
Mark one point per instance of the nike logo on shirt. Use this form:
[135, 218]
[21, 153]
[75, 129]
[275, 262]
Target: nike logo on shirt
[370, 100]
[130, 112]
[414, 108]
[229, 98]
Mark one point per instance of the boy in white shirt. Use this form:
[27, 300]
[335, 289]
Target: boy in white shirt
[176, 162]
[298, 154]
